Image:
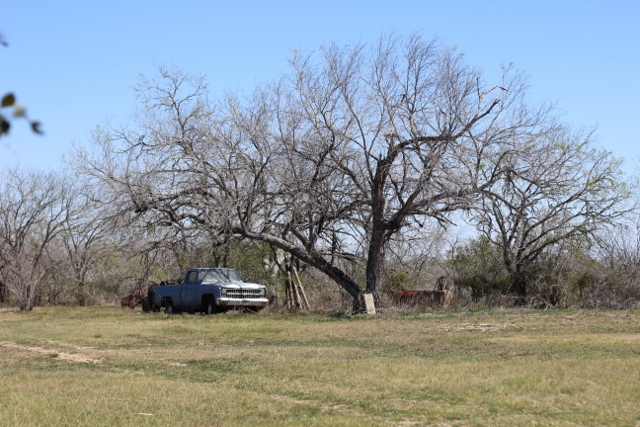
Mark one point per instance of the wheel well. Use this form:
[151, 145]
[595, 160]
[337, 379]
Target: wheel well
[164, 301]
[206, 298]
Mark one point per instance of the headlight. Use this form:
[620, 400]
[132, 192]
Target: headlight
[223, 292]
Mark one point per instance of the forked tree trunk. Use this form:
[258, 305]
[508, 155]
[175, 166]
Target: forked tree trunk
[376, 252]
[26, 304]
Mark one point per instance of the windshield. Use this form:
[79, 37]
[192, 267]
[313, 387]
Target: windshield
[221, 275]
[233, 275]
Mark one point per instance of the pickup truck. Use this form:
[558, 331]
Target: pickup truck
[210, 290]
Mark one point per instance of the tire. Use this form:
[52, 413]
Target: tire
[209, 307]
[168, 307]
[151, 296]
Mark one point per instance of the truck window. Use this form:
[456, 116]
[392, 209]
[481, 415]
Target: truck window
[214, 276]
[233, 275]
[192, 277]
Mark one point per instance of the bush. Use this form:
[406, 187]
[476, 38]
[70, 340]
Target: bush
[478, 266]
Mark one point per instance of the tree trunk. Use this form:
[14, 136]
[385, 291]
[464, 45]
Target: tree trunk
[348, 285]
[26, 302]
[3, 293]
[519, 287]
[375, 255]
[517, 278]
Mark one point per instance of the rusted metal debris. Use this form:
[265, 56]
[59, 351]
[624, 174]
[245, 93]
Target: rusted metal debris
[440, 297]
[138, 298]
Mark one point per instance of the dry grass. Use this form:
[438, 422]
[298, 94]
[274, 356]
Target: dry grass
[107, 366]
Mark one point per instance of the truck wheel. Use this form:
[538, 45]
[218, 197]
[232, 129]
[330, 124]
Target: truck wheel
[151, 306]
[168, 307]
[210, 307]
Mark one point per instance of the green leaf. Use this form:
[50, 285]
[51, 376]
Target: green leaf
[4, 126]
[8, 100]
[35, 126]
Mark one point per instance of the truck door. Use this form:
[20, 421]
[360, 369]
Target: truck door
[190, 294]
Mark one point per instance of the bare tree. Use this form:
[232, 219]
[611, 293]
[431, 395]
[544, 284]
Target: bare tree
[558, 189]
[615, 283]
[34, 207]
[367, 144]
[350, 149]
[89, 235]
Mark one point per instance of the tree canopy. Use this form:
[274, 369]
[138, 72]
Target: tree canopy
[348, 152]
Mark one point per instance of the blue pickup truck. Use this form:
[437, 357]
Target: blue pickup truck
[210, 290]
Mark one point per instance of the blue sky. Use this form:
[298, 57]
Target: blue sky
[73, 63]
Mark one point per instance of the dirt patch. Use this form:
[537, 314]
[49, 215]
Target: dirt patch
[69, 357]
[80, 348]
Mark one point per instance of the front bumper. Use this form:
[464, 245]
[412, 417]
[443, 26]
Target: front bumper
[242, 302]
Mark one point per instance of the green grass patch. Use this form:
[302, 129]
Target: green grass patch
[106, 366]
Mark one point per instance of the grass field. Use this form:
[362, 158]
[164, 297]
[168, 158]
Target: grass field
[106, 366]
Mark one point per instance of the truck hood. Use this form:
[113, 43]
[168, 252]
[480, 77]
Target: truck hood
[241, 285]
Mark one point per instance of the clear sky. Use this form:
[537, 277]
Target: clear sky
[72, 63]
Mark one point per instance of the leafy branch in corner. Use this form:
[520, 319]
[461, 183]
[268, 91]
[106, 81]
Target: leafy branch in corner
[9, 103]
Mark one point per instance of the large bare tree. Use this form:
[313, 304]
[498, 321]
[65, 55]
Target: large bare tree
[354, 146]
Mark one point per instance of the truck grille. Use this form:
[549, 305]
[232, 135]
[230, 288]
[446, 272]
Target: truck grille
[245, 293]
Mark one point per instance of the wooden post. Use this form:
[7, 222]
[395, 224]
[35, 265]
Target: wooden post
[289, 291]
[305, 300]
[298, 300]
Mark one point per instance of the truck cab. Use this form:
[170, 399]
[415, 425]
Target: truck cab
[211, 290]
